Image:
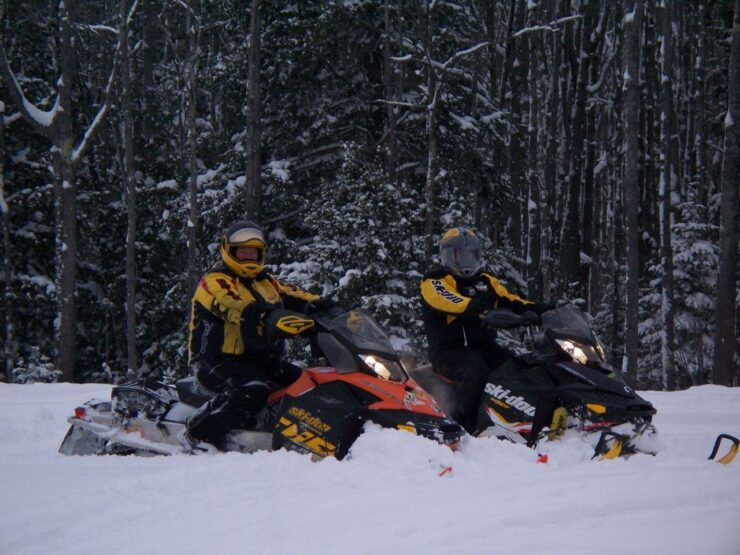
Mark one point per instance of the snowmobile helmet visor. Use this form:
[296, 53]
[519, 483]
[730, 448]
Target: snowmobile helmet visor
[460, 253]
[247, 237]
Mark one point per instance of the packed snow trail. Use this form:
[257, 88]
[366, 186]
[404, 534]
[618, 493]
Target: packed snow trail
[388, 498]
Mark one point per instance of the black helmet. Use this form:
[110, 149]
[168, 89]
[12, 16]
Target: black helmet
[243, 234]
[459, 250]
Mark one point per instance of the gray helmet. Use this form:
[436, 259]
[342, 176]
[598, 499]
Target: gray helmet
[459, 250]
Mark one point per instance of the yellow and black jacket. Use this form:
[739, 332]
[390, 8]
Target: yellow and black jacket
[227, 313]
[451, 308]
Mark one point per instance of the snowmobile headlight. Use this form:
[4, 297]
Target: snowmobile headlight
[575, 350]
[385, 368]
[377, 365]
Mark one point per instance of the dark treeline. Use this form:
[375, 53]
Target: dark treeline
[592, 143]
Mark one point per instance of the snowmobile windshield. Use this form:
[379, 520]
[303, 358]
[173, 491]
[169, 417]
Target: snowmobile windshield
[354, 342]
[571, 331]
[568, 322]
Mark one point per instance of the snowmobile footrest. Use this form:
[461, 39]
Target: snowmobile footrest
[730, 455]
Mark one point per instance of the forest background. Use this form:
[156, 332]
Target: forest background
[592, 144]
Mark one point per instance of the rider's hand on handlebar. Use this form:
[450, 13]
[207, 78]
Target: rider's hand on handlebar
[531, 318]
[326, 306]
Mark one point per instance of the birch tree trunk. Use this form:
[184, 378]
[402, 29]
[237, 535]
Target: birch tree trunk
[254, 118]
[631, 86]
[725, 367]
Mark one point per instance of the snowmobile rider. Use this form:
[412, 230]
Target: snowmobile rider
[231, 351]
[456, 298]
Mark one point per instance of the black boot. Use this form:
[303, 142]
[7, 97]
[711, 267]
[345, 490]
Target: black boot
[224, 412]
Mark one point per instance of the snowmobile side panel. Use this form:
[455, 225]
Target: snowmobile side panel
[303, 384]
[391, 395]
[80, 441]
[324, 421]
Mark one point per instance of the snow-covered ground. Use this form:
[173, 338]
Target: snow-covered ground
[388, 499]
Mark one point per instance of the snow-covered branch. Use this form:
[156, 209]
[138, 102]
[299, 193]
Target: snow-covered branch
[131, 12]
[553, 26]
[79, 152]
[593, 88]
[406, 58]
[41, 120]
[465, 52]
[96, 28]
[408, 105]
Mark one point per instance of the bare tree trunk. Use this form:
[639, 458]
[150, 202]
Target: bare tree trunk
[390, 93]
[508, 58]
[513, 206]
[631, 87]
[254, 117]
[666, 189]
[725, 368]
[129, 182]
[700, 144]
[7, 264]
[534, 229]
[424, 18]
[550, 172]
[66, 208]
[590, 218]
[570, 238]
[648, 219]
[191, 76]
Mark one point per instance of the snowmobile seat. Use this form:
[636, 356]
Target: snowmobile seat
[192, 393]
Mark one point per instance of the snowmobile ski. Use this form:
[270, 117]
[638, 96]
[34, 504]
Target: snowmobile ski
[728, 457]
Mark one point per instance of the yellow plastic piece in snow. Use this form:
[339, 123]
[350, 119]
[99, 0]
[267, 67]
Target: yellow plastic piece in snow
[557, 426]
[727, 459]
[614, 451]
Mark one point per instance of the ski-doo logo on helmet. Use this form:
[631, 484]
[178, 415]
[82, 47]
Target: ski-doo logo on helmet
[518, 402]
[443, 292]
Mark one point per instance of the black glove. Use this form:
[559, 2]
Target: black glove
[502, 318]
[252, 326]
[539, 308]
[477, 308]
[531, 318]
